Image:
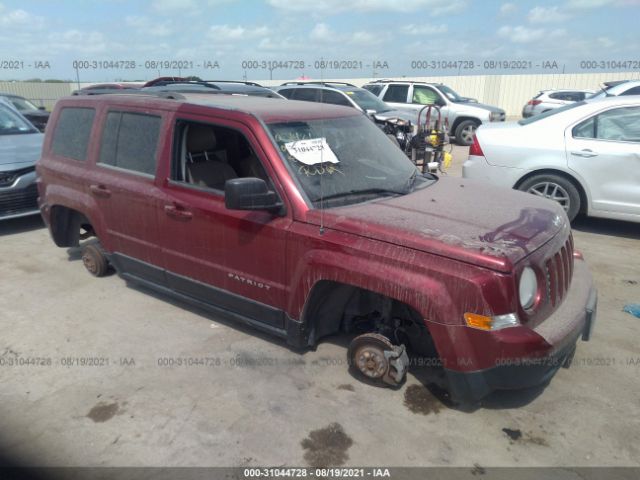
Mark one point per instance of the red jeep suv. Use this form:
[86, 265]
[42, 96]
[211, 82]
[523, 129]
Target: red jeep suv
[304, 221]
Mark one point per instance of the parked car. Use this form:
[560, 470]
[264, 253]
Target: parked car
[630, 87]
[463, 114]
[345, 94]
[547, 100]
[584, 155]
[38, 116]
[307, 222]
[20, 147]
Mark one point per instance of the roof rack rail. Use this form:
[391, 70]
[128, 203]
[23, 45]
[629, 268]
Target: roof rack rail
[253, 84]
[387, 80]
[316, 82]
[164, 83]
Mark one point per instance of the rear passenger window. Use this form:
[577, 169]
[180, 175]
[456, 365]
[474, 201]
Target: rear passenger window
[335, 98]
[130, 140]
[71, 136]
[396, 93]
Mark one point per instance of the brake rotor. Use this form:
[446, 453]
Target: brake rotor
[377, 359]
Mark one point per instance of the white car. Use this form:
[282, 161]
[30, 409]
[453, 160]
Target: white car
[630, 87]
[550, 99]
[586, 156]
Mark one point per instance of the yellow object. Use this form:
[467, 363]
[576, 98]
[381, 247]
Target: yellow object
[478, 321]
[446, 162]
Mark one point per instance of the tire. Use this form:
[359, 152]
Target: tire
[465, 131]
[555, 187]
[95, 261]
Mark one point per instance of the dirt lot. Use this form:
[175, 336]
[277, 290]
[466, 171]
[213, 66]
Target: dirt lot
[263, 404]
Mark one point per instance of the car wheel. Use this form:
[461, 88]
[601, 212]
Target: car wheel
[557, 188]
[95, 261]
[465, 131]
[375, 360]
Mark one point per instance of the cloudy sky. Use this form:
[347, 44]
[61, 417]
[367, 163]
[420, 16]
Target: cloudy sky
[256, 39]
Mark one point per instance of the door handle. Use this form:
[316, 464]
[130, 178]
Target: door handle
[100, 191]
[585, 154]
[177, 212]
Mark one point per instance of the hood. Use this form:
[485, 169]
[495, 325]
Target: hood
[20, 150]
[457, 218]
[411, 115]
[481, 106]
[36, 114]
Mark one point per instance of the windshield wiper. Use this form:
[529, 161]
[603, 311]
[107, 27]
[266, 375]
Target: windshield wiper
[365, 191]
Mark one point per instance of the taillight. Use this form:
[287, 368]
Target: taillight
[475, 148]
[534, 102]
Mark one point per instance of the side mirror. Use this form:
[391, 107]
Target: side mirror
[41, 107]
[440, 102]
[250, 194]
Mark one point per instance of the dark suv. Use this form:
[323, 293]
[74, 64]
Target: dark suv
[308, 222]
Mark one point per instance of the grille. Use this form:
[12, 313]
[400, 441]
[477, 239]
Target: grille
[559, 271]
[18, 201]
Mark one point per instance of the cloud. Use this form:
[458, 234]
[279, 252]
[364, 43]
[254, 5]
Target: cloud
[547, 15]
[507, 8]
[588, 4]
[328, 7]
[80, 41]
[322, 32]
[424, 29]
[226, 33]
[522, 34]
[19, 19]
[148, 27]
[189, 7]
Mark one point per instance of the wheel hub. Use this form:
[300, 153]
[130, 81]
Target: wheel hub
[371, 362]
[89, 263]
[552, 191]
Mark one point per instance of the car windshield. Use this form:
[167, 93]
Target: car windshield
[346, 160]
[367, 100]
[22, 104]
[451, 94]
[548, 113]
[11, 123]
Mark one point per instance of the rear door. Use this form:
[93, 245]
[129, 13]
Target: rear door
[604, 150]
[124, 186]
[397, 95]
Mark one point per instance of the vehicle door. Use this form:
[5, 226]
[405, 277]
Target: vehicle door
[124, 186]
[397, 95]
[422, 95]
[230, 258]
[604, 150]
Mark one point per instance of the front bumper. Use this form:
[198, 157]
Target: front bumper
[20, 198]
[545, 348]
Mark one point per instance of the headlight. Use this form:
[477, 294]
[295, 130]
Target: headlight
[528, 288]
[495, 116]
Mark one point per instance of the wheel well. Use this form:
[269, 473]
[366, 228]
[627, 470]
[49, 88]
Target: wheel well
[66, 225]
[560, 173]
[459, 120]
[340, 308]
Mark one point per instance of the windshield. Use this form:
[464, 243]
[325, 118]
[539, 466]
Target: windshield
[22, 104]
[367, 100]
[548, 113]
[344, 160]
[11, 123]
[450, 93]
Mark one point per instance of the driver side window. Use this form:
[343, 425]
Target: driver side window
[425, 96]
[209, 155]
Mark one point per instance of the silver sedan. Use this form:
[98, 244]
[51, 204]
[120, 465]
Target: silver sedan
[585, 156]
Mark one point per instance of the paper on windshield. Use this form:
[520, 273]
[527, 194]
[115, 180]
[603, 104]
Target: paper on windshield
[311, 151]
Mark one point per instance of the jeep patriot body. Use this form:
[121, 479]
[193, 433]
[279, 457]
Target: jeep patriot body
[305, 221]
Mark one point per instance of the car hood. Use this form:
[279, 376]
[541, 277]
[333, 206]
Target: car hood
[36, 114]
[480, 106]
[411, 115]
[457, 218]
[19, 151]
